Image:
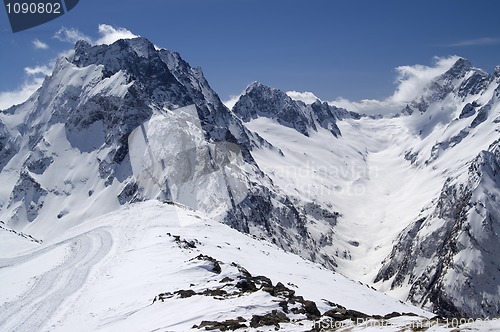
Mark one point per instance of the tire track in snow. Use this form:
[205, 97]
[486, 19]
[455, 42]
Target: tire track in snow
[35, 308]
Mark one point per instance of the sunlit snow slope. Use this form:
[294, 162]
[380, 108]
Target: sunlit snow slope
[104, 274]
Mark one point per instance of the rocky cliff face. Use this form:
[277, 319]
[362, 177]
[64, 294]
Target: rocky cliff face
[448, 257]
[262, 101]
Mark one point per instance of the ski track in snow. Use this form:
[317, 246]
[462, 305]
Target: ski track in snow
[33, 309]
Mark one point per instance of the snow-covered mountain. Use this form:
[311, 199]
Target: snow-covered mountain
[262, 101]
[407, 204]
[127, 122]
[447, 255]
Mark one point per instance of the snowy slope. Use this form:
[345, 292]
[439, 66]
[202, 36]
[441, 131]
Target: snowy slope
[104, 274]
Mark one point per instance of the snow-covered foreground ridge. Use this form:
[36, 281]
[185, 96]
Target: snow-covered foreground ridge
[407, 204]
[162, 267]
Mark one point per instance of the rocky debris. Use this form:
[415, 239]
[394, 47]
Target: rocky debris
[397, 314]
[226, 280]
[21, 234]
[275, 317]
[183, 243]
[289, 302]
[162, 297]
[215, 264]
[218, 293]
[340, 313]
[311, 310]
[281, 290]
[246, 286]
[227, 325]
[339, 317]
[293, 308]
[185, 293]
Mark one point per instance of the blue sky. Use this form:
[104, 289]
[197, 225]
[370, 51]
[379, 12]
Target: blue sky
[348, 49]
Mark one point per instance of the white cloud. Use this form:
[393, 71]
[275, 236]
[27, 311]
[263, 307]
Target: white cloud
[71, 35]
[307, 97]
[39, 45]
[110, 34]
[476, 42]
[43, 70]
[10, 98]
[412, 81]
[34, 80]
[368, 106]
[231, 101]
[107, 35]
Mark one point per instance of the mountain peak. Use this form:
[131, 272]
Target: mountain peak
[124, 53]
[458, 70]
[254, 85]
[141, 46]
[462, 63]
[461, 79]
[82, 46]
[259, 87]
[262, 101]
